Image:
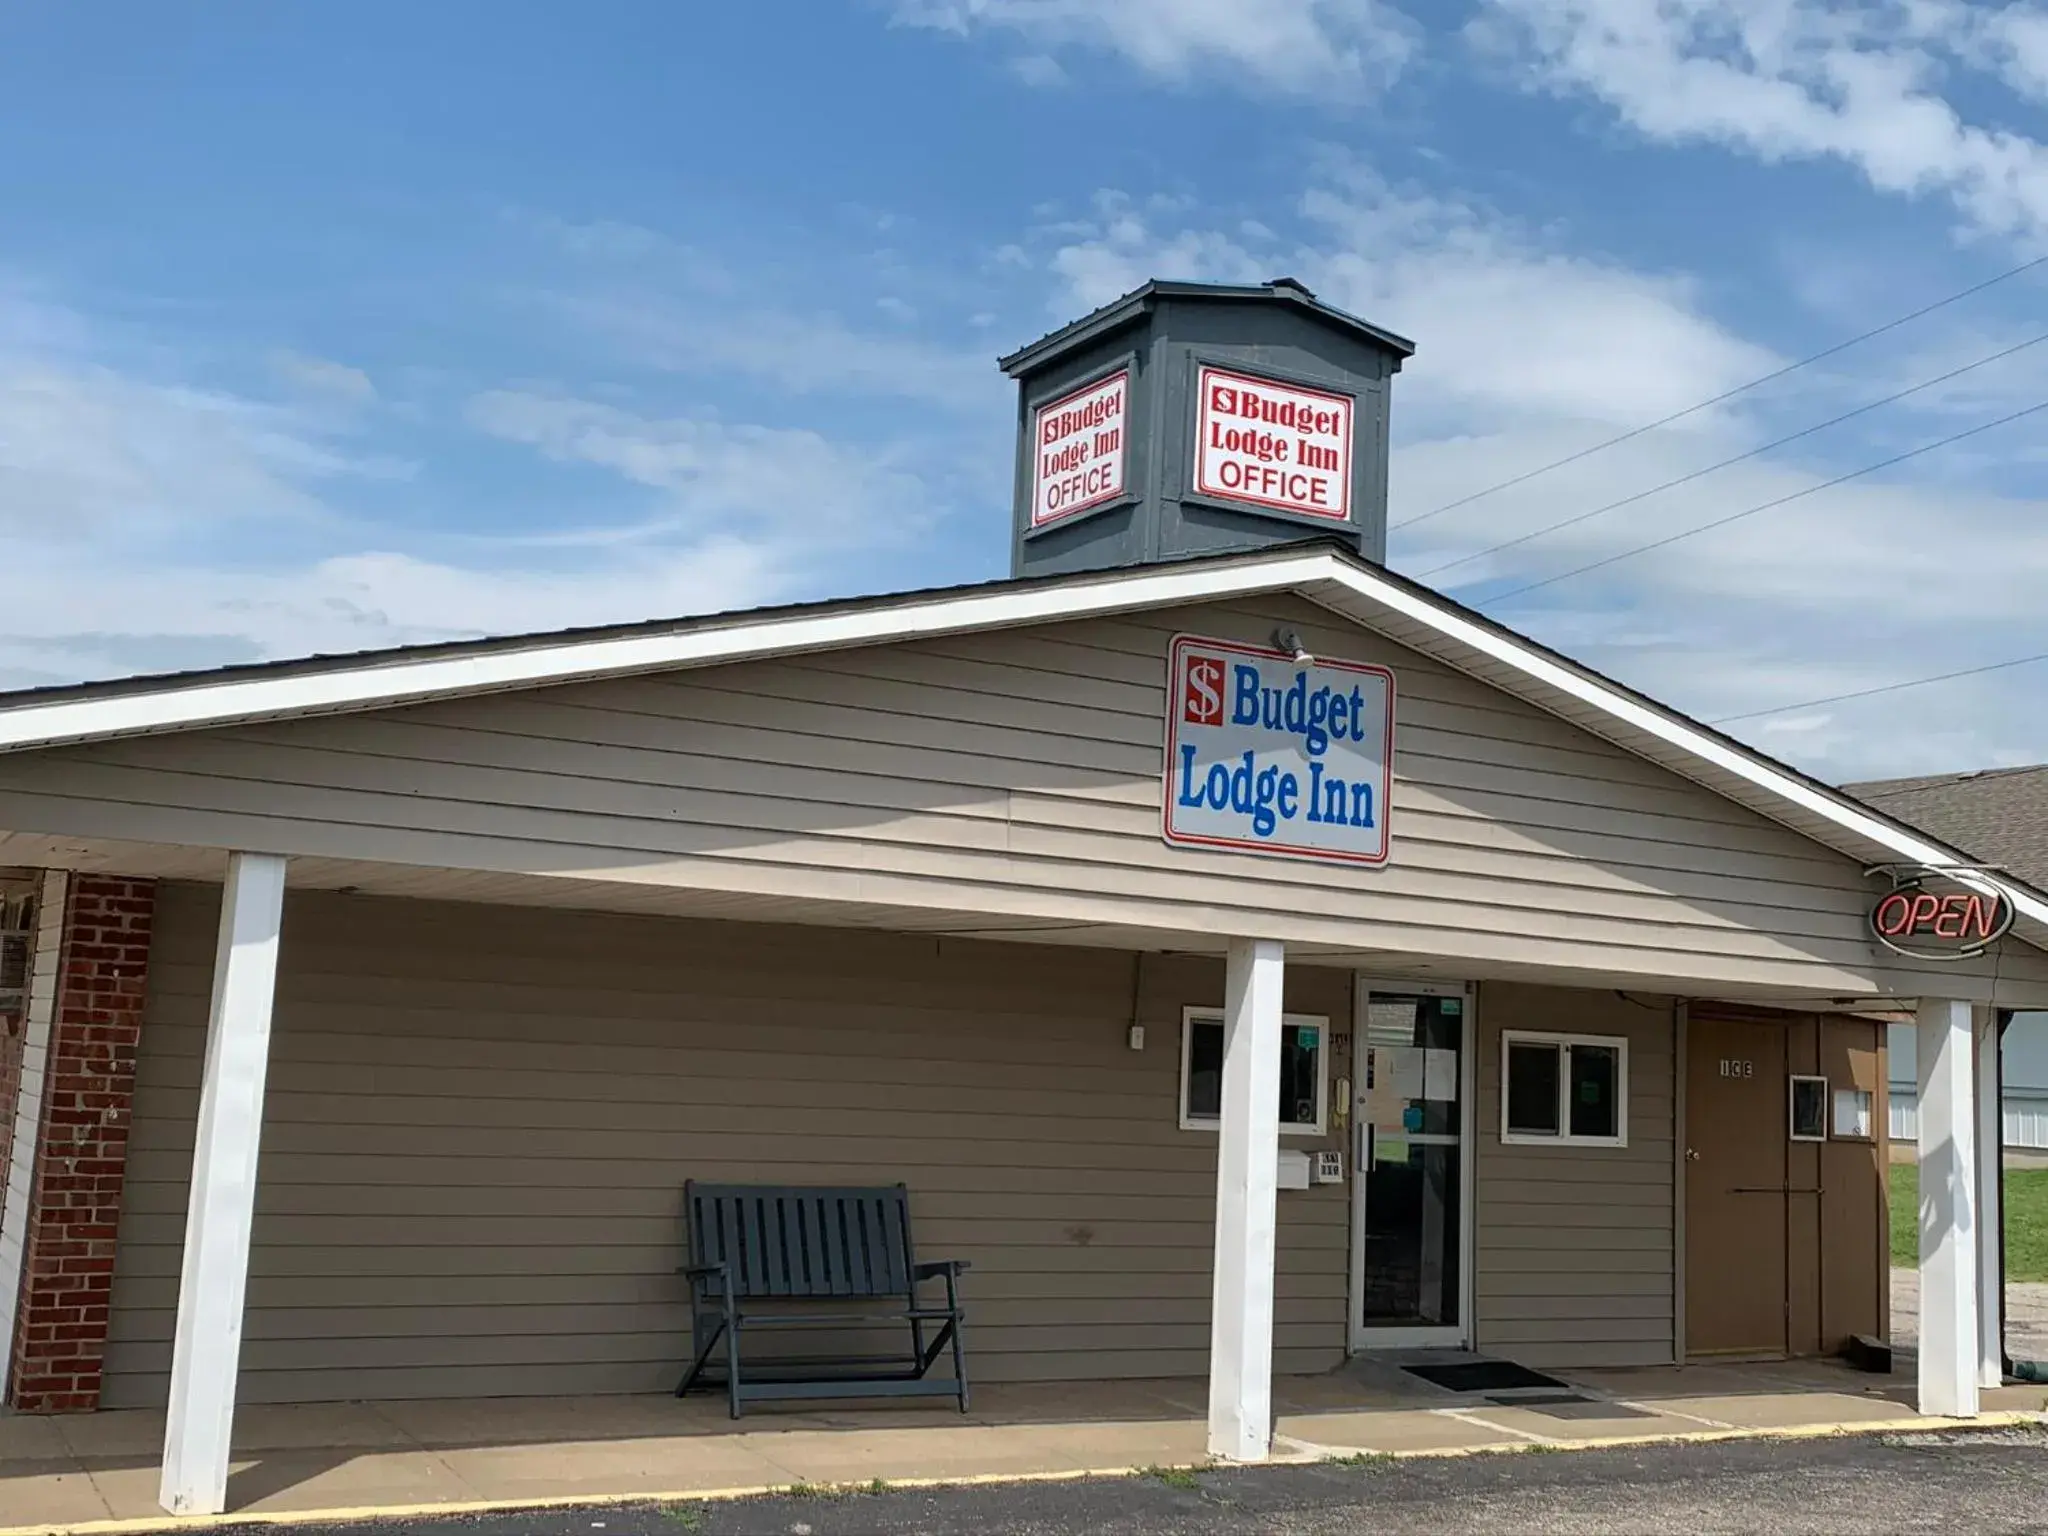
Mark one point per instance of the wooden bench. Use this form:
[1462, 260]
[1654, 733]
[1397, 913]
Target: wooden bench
[756, 1248]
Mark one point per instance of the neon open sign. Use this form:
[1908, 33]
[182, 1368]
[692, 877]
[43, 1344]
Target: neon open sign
[1932, 915]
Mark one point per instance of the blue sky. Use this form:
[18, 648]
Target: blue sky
[325, 327]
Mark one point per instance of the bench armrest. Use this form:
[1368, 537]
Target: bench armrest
[701, 1271]
[931, 1269]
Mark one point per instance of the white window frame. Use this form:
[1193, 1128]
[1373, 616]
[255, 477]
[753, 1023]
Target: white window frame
[1509, 1038]
[1835, 1131]
[1190, 1016]
[1827, 1105]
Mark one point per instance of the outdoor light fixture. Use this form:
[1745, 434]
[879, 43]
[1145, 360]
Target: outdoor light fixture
[1289, 640]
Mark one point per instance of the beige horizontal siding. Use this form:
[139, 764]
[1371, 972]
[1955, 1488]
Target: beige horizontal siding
[479, 1122]
[1017, 773]
[1576, 1244]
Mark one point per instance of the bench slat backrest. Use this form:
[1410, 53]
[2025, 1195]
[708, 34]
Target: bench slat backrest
[783, 1241]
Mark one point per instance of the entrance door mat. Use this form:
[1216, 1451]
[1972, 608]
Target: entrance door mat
[1482, 1376]
[1571, 1405]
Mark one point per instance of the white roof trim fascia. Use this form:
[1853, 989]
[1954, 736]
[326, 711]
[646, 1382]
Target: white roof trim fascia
[1688, 738]
[380, 683]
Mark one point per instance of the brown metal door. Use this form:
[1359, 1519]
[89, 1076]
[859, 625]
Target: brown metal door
[1735, 1215]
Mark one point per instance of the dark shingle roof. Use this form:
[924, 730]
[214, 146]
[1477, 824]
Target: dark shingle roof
[1117, 312]
[1999, 815]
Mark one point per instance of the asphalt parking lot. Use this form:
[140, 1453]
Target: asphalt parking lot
[1985, 1482]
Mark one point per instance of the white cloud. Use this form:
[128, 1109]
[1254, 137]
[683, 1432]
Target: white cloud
[88, 452]
[720, 475]
[2018, 39]
[1320, 48]
[800, 353]
[148, 523]
[323, 376]
[1041, 70]
[1529, 350]
[650, 301]
[1871, 86]
[71, 617]
[1508, 325]
[1855, 587]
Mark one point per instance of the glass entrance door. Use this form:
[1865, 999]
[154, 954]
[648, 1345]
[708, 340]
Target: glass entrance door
[1410, 1202]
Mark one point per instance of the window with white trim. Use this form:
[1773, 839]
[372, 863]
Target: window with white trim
[1808, 1108]
[1853, 1114]
[1563, 1090]
[1304, 1072]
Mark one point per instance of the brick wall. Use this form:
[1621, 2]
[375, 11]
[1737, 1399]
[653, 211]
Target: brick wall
[75, 1205]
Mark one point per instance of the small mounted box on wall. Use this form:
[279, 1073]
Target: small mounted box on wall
[1294, 1169]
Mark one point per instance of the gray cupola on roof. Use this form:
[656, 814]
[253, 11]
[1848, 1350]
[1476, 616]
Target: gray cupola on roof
[1187, 418]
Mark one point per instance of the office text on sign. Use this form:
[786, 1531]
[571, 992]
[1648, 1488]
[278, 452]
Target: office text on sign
[1276, 445]
[1267, 752]
[1079, 445]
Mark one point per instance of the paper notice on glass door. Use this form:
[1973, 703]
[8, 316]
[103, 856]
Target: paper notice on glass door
[1408, 1066]
[1440, 1074]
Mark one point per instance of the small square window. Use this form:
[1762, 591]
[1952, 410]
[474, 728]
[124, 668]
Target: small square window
[1304, 1073]
[1852, 1113]
[1564, 1090]
[1809, 1109]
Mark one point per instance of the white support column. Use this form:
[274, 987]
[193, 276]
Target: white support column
[1247, 1166]
[1948, 1225]
[207, 1350]
[1990, 1215]
[18, 1179]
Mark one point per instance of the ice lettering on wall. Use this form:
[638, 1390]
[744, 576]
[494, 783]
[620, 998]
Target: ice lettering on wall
[1267, 752]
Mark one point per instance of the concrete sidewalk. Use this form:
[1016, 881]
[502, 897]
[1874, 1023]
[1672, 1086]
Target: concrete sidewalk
[397, 1458]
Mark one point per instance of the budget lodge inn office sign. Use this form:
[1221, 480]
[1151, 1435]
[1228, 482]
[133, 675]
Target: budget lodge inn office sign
[1277, 752]
[1078, 449]
[1282, 446]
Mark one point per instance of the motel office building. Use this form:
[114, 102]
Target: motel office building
[371, 1012]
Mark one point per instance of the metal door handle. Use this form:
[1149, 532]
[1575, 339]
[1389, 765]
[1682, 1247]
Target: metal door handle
[1691, 1156]
[1777, 1189]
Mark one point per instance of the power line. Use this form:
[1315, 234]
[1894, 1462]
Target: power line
[1736, 517]
[1730, 394]
[1867, 693]
[1793, 437]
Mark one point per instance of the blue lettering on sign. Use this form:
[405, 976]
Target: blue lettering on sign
[1281, 751]
[1267, 795]
[1270, 795]
[1318, 717]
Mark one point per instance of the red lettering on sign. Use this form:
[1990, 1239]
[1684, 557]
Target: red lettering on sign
[1894, 915]
[1961, 918]
[1272, 443]
[1983, 915]
[1948, 920]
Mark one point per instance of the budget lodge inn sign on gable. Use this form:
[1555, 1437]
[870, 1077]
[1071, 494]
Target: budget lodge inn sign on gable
[1272, 752]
